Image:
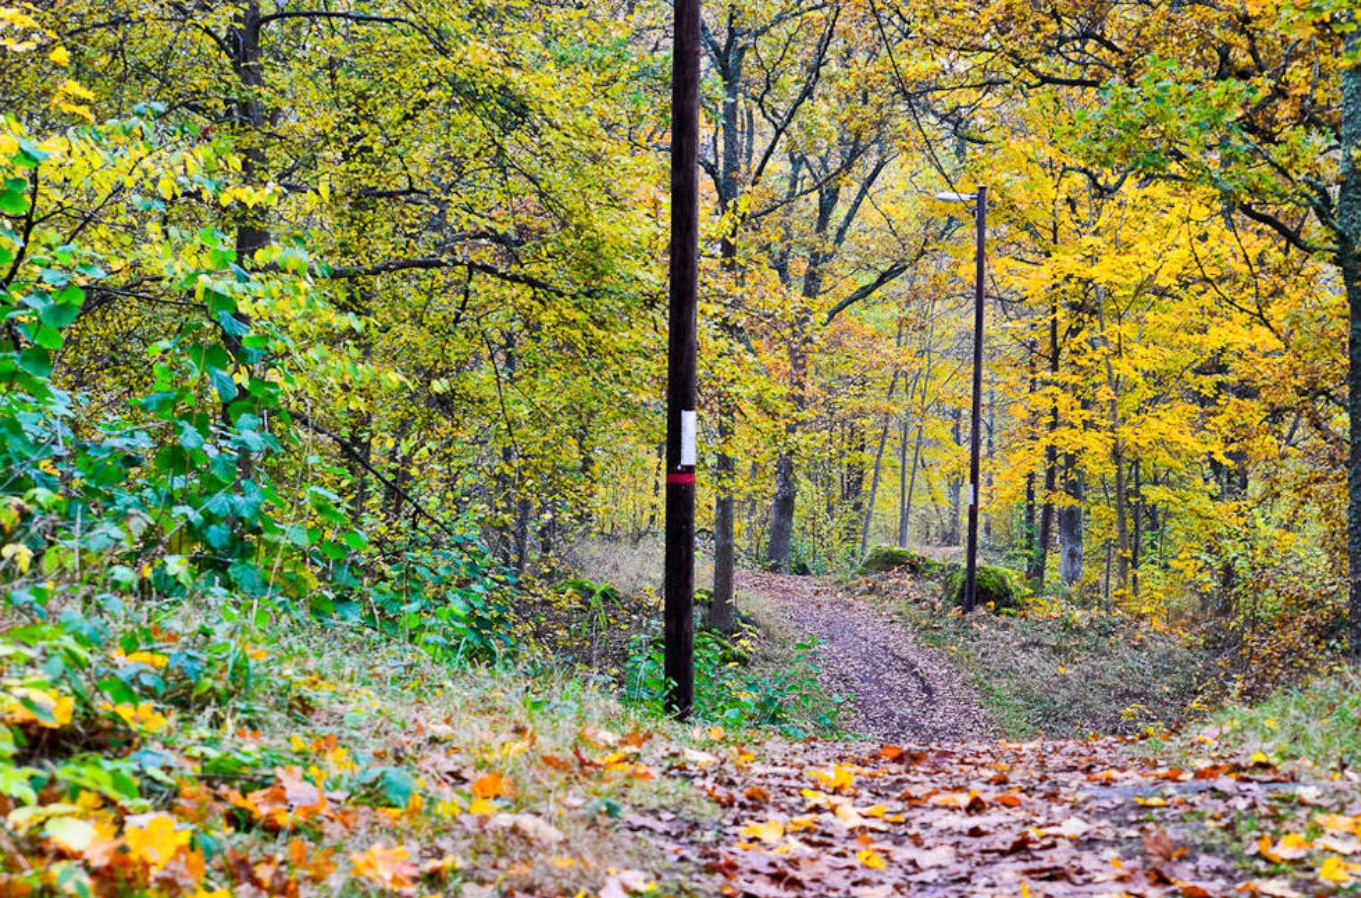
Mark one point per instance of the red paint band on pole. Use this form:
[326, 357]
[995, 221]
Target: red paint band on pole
[681, 478]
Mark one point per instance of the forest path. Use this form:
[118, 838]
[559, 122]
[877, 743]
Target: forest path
[903, 691]
[937, 807]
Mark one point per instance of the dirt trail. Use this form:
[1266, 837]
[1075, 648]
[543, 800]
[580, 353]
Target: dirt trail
[904, 691]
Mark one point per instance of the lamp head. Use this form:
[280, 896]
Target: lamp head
[946, 196]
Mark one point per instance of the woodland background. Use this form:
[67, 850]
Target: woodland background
[332, 344]
[296, 293]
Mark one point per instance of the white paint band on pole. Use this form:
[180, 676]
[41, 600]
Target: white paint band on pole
[688, 423]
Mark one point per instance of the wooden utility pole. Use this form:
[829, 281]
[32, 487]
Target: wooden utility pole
[976, 417]
[679, 583]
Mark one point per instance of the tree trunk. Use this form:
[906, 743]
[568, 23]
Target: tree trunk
[1121, 527]
[1040, 560]
[951, 534]
[1137, 509]
[723, 611]
[1028, 522]
[782, 514]
[874, 488]
[1349, 260]
[1115, 384]
[990, 423]
[1070, 525]
[243, 40]
[853, 492]
[249, 118]
[912, 482]
[904, 431]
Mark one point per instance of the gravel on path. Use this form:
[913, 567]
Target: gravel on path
[903, 691]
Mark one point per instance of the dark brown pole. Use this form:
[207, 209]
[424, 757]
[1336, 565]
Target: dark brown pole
[971, 552]
[679, 584]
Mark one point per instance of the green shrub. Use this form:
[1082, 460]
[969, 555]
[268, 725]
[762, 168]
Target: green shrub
[728, 693]
[451, 599]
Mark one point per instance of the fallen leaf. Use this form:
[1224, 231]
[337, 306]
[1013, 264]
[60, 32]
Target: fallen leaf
[702, 758]
[1338, 844]
[1271, 888]
[621, 883]
[838, 779]
[492, 785]
[1336, 870]
[871, 858]
[387, 867]
[155, 838]
[769, 832]
[531, 826]
[70, 833]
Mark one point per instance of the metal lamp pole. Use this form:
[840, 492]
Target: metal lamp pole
[981, 230]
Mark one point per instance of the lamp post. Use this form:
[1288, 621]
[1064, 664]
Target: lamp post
[980, 200]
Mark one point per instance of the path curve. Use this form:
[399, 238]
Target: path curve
[903, 691]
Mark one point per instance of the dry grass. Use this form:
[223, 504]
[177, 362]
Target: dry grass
[1059, 672]
[343, 746]
[1316, 724]
[634, 567]
[574, 761]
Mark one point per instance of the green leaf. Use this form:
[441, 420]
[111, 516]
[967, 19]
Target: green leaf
[223, 383]
[31, 153]
[14, 784]
[36, 361]
[59, 315]
[14, 196]
[398, 786]
[48, 337]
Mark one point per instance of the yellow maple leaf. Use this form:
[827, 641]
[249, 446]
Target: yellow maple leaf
[388, 867]
[1335, 869]
[769, 832]
[1338, 823]
[871, 858]
[1292, 846]
[142, 716]
[155, 839]
[20, 554]
[840, 778]
[19, 704]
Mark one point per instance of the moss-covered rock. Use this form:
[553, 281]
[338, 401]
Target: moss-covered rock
[993, 590]
[891, 558]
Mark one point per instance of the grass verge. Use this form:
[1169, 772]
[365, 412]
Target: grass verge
[309, 761]
[1056, 670]
[1315, 725]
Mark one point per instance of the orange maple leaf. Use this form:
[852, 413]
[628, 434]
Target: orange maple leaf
[390, 868]
[493, 785]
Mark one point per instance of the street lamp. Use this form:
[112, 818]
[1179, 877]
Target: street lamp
[980, 198]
